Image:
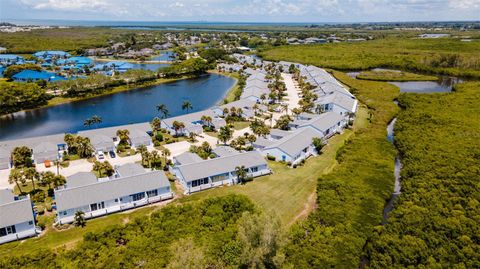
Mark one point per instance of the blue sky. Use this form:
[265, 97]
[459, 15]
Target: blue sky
[243, 11]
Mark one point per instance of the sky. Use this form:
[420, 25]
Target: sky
[243, 11]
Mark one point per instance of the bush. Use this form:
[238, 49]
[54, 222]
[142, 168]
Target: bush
[270, 158]
[38, 197]
[40, 210]
[157, 143]
[159, 137]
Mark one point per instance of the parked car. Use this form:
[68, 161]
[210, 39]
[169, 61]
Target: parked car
[100, 155]
[112, 154]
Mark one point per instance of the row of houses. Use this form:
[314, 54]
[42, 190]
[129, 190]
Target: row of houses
[130, 187]
[17, 219]
[52, 147]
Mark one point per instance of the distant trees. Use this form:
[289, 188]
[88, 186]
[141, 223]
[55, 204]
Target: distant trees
[17, 96]
[190, 67]
[14, 69]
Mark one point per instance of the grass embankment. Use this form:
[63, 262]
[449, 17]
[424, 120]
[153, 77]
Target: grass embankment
[61, 100]
[440, 56]
[392, 75]
[436, 221]
[351, 198]
[235, 90]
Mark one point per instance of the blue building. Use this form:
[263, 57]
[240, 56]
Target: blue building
[79, 61]
[32, 75]
[9, 59]
[51, 54]
[110, 67]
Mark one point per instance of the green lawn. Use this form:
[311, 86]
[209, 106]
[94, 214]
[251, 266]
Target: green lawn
[239, 125]
[288, 192]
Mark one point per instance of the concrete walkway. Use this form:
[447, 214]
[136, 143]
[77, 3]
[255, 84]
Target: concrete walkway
[293, 91]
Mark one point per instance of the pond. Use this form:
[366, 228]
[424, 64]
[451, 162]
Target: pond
[443, 84]
[127, 107]
[164, 56]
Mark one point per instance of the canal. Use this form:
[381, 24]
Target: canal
[127, 107]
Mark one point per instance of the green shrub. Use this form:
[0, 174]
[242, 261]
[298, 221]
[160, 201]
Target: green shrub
[271, 158]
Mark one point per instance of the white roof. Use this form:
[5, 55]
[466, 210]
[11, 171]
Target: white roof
[296, 142]
[130, 169]
[70, 198]
[187, 158]
[81, 179]
[221, 165]
[324, 121]
[14, 211]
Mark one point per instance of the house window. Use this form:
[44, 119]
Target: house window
[199, 182]
[7, 230]
[93, 207]
[305, 149]
[138, 196]
[327, 132]
[152, 193]
[219, 177]
[254, 169]
[30, 223]
[116, 200]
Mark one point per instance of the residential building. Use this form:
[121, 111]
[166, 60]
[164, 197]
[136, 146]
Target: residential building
[327, 124]
[17, 220]
[293, 148]
[101, 197]
[4, 159]
[45, 151]
[219, 171]
[10, 59]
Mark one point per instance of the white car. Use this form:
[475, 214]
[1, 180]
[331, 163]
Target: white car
[100, 155]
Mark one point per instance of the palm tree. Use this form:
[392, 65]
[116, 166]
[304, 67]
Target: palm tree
[163, 110]
[88, 123]
[178, 125]
[192, 136]
[187, 106]
[32, 175]
[123, 135]
[96, 119]
[79, 219]
[154, 158]
[46, 178]
[207, 120]
[97, 167]
[225, 134]
[58, 180]
[16, 176]
[285, 108]
[165, 153]
[241, 173]
[156, 124]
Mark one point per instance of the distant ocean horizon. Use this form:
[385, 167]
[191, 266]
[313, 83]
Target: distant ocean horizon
[93, 23]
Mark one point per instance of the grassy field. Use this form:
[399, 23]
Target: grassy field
[441, 56]
[70, 39]
[390, 75]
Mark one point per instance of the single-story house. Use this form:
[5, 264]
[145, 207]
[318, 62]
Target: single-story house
[186, 158]
[219, 171]
[339, 103]
[193, 122]
[327, 123]
[45, 151]
[49, 54]
[129, 169]
[222, 151]
[102, 142]
[261, 143]
[112, 195]
[293, 148]
[139, 137]
[276, 134]
[17, 220]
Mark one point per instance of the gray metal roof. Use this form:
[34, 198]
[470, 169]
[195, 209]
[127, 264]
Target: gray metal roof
[187, 158]
[262, 142]
[324, 121]
[100, 140]
[6, 196]
[32, 142]
[112, 131]
[130, 169]
[110, 189]
[220, 165]
[242, 103]
[223, 151]
[4, 153]
[81, 179]
[45, 147]
[15, 211]
[280, 133]
[296, 142]
[347, 102]
[189, 118]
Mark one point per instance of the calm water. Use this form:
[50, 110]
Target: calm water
[165, 56]
[443, 84]
[145, 66]
[117, 109]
